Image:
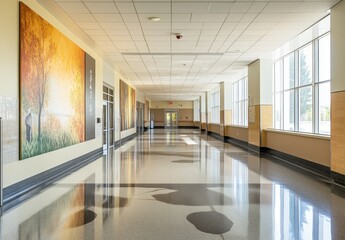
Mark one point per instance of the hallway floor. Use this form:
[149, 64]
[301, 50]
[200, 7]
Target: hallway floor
[180, 184]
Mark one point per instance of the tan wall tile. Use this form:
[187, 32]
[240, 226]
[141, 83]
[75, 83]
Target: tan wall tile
[338, 132]
[316, 150]
[254, 128]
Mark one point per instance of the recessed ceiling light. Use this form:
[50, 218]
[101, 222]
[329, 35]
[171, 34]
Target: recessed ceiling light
[154, 19]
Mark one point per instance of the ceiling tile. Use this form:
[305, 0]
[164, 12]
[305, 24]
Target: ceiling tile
[257, 7]
[117, 32]
[73, 7]
[125, 7]
[108, 17]
[190, 8]
[79, 18]
[155, 25]
[191, 26]
[112, 25]
[212, 25]
[208, 17]
[240, 7]
[234, 17]
[89, 25]
[219, 7]
[181, 17]
[129, 17]
[101, 7]
[149, 7]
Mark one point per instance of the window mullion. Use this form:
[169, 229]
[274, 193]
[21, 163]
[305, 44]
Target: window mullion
[296, 91]
[316, 87]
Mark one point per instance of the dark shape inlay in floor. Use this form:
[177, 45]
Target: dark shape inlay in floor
[193, 196]
[210, 222]
[80, 218]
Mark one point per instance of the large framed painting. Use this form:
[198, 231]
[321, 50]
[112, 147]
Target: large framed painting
[127, 103]
[52, 87]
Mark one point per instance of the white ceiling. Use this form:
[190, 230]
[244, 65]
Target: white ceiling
[220, 38]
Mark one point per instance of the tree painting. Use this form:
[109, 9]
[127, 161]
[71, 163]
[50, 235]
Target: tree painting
[127, 106]
[52, 78]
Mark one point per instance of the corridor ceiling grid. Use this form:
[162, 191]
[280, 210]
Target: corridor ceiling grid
[220, 38]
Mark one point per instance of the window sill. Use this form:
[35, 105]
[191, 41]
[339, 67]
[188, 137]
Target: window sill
[301, 134]
[237, 126]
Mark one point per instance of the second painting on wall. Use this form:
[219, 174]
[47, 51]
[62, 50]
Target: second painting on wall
[127, 103]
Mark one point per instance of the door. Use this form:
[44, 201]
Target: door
[140, 117]
[108, 118]
[171, 119]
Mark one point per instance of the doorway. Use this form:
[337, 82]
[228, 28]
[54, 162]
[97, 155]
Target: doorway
[171, 119]
[108, 118]
[140, 118]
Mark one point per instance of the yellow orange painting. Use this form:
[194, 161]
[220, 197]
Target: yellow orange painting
[52, 79]
[127, 102]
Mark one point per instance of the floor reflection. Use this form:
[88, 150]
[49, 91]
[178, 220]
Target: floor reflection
[208, 191]
[68, 211]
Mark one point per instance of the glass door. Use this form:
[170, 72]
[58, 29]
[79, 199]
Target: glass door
[171, 119]
[108, 118]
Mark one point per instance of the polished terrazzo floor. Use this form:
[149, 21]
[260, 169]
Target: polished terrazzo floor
[180, 184]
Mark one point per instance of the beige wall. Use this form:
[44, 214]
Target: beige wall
[310, 147]
[197, 124]
[338, 132]
[240, 133]
[203, 126]
[338, 47]
[254, 127]
[173, 105]
[185, 117]
[16, 170]
[337, 88]
[215, 128]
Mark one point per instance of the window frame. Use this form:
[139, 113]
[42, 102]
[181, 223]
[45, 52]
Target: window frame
[240, 102]
[315, 83]
[215, 107]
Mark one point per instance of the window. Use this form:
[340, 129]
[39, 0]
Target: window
[302, 88]
[215, 107]
[196, 110]
[240, 102]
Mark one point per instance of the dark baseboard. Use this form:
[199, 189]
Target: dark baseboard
[236, 142]
[216, 135]
[313, 167]
[125, 139]
[117, 144]
[187, 127]
[338, 178]
[254, 148]
[20, 191]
